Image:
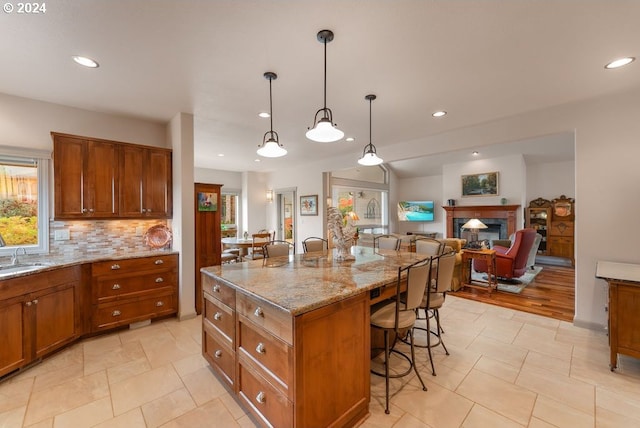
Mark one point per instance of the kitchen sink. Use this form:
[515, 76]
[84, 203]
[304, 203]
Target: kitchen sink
[7, 270]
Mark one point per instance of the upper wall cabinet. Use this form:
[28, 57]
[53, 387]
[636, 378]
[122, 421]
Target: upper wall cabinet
[86, 177]
[100, 179]
[145, 182]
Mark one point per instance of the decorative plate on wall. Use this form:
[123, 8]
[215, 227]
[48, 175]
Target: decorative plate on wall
[158, 236]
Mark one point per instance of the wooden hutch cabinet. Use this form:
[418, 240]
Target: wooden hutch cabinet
[101, 179]
[538, 217]
[560, 236]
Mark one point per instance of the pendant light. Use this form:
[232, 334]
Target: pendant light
[369, 156]
[324, 130]
[271, 147]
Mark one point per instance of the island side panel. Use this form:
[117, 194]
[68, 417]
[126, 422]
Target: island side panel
[332, 351]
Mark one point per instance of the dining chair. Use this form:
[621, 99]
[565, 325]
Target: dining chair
[386, 242]
[258, 241]
[429, 246]
[277, 249]
[433, 299]
[314, 244]
[399, 317]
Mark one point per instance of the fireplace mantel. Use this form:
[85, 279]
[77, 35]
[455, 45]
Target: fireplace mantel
[507, 212]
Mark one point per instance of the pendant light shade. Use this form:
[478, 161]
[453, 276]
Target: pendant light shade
[369, 156]
[323, 129]
[271, 147]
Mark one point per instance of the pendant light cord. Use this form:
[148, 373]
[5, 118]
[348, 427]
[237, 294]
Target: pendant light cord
[270, 108]
[325, 75]
[370, 100]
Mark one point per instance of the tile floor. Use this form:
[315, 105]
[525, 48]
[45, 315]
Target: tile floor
[506, 369]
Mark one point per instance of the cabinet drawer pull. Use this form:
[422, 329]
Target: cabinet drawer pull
[144, 210]
[115, 266]
[159, 280]
[260, 349]
[116, 287]
[35, 301]
[84, 210]
[258, 312]
[91, 210]
[28, 303]
[261, 397]
[116, 313]
[218, 354]
[159, 303]
[217, 316]
[158, 262]
[216, 288]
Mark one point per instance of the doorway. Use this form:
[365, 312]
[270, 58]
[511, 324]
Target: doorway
[286, 206]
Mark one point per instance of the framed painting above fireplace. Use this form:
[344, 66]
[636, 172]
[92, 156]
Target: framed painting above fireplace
[484, 184]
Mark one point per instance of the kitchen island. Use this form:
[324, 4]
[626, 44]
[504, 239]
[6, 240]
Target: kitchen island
[291, 337]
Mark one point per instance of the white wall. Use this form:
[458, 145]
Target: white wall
[551, 180]
[420, 189]
[230, 180]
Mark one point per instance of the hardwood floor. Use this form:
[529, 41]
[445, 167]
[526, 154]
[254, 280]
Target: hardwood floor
[551, 294]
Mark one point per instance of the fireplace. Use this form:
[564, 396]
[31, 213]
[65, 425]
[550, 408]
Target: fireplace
[499, 219]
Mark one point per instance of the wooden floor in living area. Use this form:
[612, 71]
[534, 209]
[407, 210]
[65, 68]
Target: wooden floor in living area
[551, 294]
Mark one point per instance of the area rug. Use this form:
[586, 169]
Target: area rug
[515, 285]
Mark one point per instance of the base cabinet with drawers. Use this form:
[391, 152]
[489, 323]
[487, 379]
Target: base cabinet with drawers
[305, 370]
[132, 290]
[39, 314]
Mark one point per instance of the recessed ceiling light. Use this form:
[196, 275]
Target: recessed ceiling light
[86, 62]
[350, 139]
[256, 160]
[220, 154]
[439, 113]
[475, 153]
[264, 114]
[620, 62]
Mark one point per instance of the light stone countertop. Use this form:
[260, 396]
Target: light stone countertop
[304, 282]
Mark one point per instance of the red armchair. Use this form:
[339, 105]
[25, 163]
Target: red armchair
[511, 262]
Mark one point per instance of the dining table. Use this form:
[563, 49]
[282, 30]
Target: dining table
[235, 242]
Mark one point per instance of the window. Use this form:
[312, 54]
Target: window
[23, 204]
[229, 214]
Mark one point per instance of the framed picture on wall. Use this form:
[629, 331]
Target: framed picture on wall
[309, 205]
[207, 201]
[484, 184]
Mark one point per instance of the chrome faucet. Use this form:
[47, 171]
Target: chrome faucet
[14, 258]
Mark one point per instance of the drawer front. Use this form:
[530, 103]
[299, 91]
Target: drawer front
[220, 317]
[271, 353]
[275, 320]
[561, 228]
[123, 286]
[219, 290]
[267, 403]
[127, 311]
[168, 262]
[220, 356]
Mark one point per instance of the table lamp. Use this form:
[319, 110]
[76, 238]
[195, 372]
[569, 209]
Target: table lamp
[473, 225]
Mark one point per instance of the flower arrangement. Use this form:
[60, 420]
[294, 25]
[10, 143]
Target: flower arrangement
[342, 231]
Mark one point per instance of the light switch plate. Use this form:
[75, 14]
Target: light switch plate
[61, 235]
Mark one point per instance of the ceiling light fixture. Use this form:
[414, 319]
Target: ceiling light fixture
[369, 156]
[264, 114]
[85, 61]
[439, 113]
[621, 62]
[324, 130]
[271, 147]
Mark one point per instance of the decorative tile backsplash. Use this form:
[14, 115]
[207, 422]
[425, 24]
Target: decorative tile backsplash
[99, 237]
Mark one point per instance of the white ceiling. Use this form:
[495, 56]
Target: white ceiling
[479, 60]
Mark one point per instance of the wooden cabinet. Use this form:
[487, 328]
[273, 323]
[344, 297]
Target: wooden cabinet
[539, 218]
[132, 290]
[624, 319]
[86, 177]
[207, 235]
[561, 229]
[289, 371]
[101, 179]
[39, 313]
[145, 182]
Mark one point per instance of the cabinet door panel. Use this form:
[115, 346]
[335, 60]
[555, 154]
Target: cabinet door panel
[157, 190]
[12, 352]
[131, 176]
[68, 161]
[101, 175]
[56, 319]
